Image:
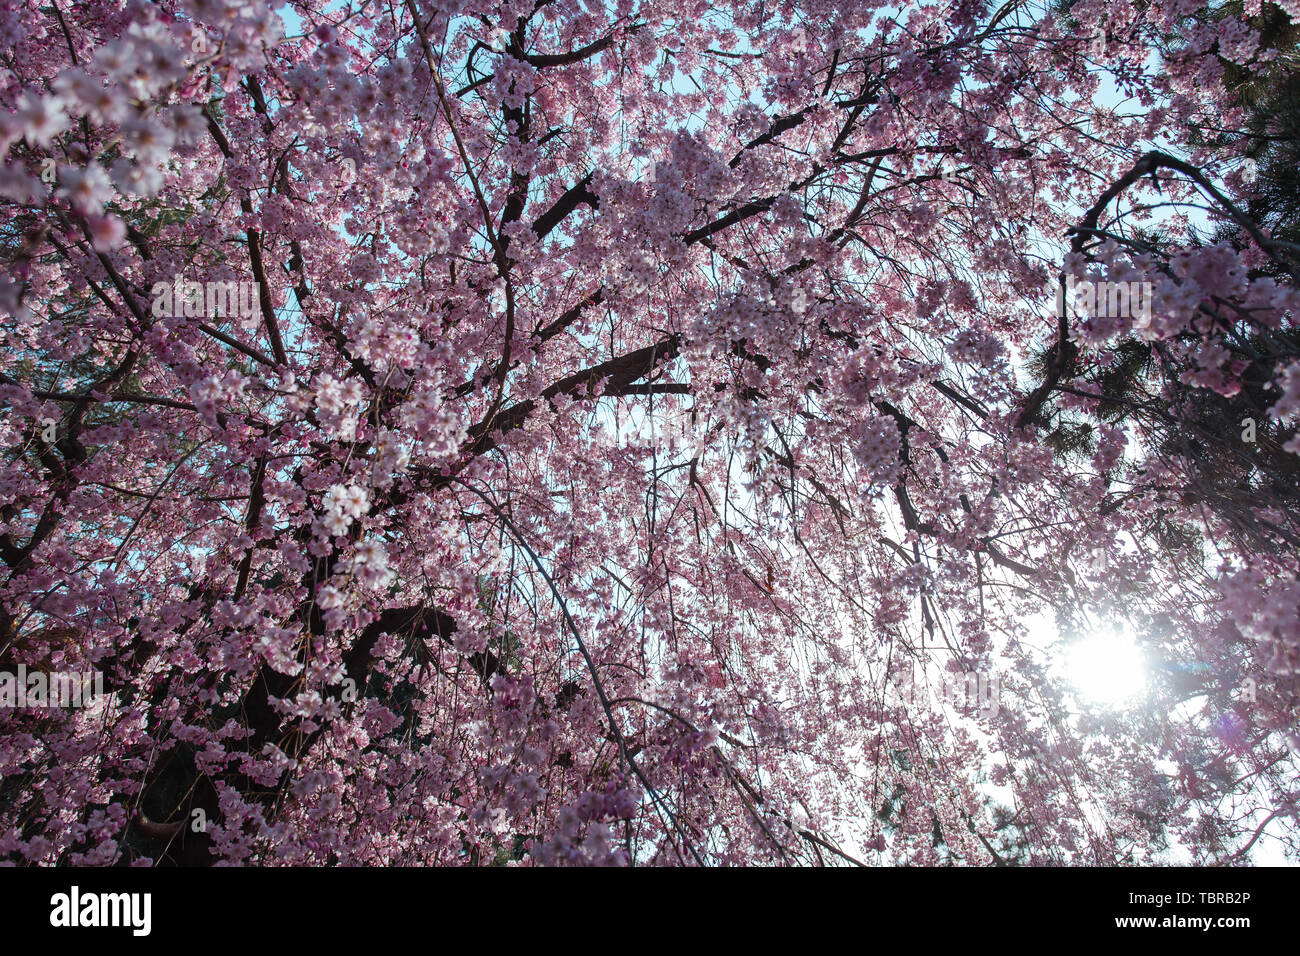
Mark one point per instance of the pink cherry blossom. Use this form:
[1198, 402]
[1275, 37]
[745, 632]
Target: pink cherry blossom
[648, 433]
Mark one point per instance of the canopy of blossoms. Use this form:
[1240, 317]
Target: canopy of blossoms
[590, 431]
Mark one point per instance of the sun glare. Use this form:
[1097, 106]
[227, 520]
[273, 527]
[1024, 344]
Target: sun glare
[1106, 667]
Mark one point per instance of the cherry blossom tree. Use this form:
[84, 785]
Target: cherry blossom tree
[558, 431]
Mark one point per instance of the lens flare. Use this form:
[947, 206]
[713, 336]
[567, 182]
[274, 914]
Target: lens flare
[1107, 667]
